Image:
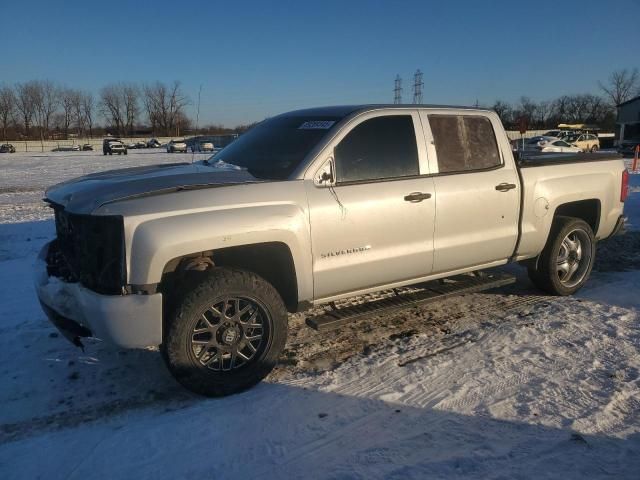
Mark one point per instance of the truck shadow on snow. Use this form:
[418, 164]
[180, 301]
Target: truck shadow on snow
[284, 431]
[49, 384]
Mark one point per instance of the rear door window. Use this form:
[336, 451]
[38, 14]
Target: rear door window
[464, 143]
[379, 148]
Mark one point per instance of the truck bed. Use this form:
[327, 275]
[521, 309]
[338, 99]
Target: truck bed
[545, 159]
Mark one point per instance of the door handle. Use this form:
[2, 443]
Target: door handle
[416, 197]
[505, 187]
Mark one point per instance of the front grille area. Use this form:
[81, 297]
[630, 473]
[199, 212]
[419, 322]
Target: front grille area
[89, 249]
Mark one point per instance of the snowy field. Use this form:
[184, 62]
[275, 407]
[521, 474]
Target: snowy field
[504, 384]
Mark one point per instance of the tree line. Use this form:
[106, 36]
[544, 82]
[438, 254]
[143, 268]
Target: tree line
[41, 109]
[587, 108]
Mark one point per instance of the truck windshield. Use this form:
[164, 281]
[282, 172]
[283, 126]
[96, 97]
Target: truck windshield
[274, 148]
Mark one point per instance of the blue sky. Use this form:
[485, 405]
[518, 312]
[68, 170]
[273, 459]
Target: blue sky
[256, 59]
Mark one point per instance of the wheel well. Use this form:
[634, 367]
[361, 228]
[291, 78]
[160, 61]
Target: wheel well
[587, 210]
[272, 261]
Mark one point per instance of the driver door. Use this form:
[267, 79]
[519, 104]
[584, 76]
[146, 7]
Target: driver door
[374, 225]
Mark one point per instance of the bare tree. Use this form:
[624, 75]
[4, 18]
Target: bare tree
[130, 94]
[7, 108]
[528, 109]
[544, 111]
[165, 107]
[504, 110]
[77, 115]
[46, 99]
[151, 107]
[88, 110]
[621, 85]
[69, 100]
[112, 108]
[26, 103]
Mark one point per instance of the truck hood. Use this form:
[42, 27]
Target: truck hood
[85, 194]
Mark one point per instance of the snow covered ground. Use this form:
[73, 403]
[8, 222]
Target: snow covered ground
[503, 384]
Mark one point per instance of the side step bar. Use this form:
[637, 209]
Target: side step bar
[430, 292]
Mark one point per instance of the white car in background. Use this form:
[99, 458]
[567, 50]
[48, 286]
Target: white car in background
[536, 143]
[559, 146]
[176, 146]
[202, 147]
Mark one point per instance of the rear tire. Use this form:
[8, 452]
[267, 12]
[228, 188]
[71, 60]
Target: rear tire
[226, 334]
[594, 149]
[566, 261]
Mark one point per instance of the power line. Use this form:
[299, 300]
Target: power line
[397, 90]
[417, 87]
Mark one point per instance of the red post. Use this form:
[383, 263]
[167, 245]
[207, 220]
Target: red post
[635, 159]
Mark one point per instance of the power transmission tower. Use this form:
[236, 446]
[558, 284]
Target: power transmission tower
[417, 87]
[397, 90]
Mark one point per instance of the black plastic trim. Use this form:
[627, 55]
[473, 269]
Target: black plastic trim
[619, 229]
[144, 289]
[546, 160]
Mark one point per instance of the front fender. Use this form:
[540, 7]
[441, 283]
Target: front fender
[155, 242]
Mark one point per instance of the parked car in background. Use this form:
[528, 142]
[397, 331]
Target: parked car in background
[67, 148]
[552, 133]
[561, 134]
[587, 142]
[153, 143]
[131, 146]
[7, 148]
[534, 143]
[87, 147]
[113, 145]
[175, 146]
[141, 144]
[559, 146]
[202, 146]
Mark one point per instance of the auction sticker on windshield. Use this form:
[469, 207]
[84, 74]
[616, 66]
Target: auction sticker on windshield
[316, 125]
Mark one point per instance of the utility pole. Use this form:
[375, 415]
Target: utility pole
[417, 87]
[397, 90]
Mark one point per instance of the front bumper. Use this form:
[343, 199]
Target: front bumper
[127, 321]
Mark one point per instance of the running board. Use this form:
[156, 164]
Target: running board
[430, 292]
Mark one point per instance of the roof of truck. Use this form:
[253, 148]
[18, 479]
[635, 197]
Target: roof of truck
[344, 110]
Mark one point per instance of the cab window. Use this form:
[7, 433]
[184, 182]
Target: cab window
[464, 143]
[379, 148]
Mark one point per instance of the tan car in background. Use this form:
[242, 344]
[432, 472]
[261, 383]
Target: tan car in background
[587, 142]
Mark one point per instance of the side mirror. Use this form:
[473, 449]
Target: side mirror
[325, 176]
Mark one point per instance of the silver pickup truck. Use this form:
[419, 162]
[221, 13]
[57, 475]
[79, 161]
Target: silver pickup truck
[207, 259]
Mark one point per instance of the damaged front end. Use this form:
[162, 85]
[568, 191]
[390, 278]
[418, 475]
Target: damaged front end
[80, 279]
[89, 249]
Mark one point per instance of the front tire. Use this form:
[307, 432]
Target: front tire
[594, 149]
[567, 259]
[226, 334]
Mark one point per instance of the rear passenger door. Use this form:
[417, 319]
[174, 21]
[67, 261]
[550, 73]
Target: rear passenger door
[375, 226]
[477, 192]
